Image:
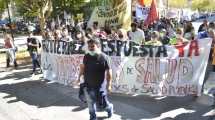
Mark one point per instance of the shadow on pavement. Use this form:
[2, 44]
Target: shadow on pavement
[17, 75]
[22, 71]
[163, 106]
[40, 94]
[11, 68]
[45, 94]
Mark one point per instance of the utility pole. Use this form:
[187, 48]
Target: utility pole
[10, 23]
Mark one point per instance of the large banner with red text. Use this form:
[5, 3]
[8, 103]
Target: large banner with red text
[169, 70]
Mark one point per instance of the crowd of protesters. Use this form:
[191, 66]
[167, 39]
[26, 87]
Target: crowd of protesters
[162, 32]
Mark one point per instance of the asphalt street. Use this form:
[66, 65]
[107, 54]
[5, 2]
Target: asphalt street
[27, 97]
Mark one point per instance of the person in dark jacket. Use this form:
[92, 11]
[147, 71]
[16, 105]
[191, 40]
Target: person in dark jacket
[32, 46]
[97, 74]
[204, 26]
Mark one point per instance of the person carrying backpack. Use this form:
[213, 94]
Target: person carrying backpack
[33, 44]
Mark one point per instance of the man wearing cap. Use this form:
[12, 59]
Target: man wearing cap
[95, 69]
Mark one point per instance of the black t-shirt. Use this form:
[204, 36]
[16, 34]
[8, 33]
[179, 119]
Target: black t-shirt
[165, 40]
[202, 28]
[95, 67]
[32, 41]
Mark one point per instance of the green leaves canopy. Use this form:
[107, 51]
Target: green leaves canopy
[203, 5]
[2, 5]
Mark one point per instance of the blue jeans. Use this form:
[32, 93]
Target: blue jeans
[35, 62]
[96, 97]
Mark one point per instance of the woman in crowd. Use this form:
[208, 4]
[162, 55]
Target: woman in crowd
[82, 38]
[49, 35]
[113, 34]
[179, 37]
[57, 35]
[189, 32]
[10, 51]
[122, 35]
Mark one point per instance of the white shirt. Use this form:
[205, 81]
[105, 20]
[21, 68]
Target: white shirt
[66, 38]
[138, 36]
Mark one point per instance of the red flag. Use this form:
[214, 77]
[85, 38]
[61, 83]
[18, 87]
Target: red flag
[153, 15]
[142, 2]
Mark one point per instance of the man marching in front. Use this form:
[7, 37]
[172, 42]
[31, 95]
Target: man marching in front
[95, 69]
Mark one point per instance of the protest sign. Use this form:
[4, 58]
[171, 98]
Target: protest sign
[141, 12]
[176, 70]
[117, 14]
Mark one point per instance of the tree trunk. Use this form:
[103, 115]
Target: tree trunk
[42, 22]
[44, 10]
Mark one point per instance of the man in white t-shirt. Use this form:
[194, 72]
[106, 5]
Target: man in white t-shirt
[137, 35]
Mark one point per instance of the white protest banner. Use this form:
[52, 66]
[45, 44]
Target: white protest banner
[117, 13]
[176, 70]
[63, 69]
[141, 12]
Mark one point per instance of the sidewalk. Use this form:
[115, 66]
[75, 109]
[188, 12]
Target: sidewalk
[22, 54]
[23, 97]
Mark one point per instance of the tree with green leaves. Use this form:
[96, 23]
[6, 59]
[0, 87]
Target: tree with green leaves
[35, 8]
[178, 3]
[70, 6]
[2, 6]
[43, 9]
[203, 5]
